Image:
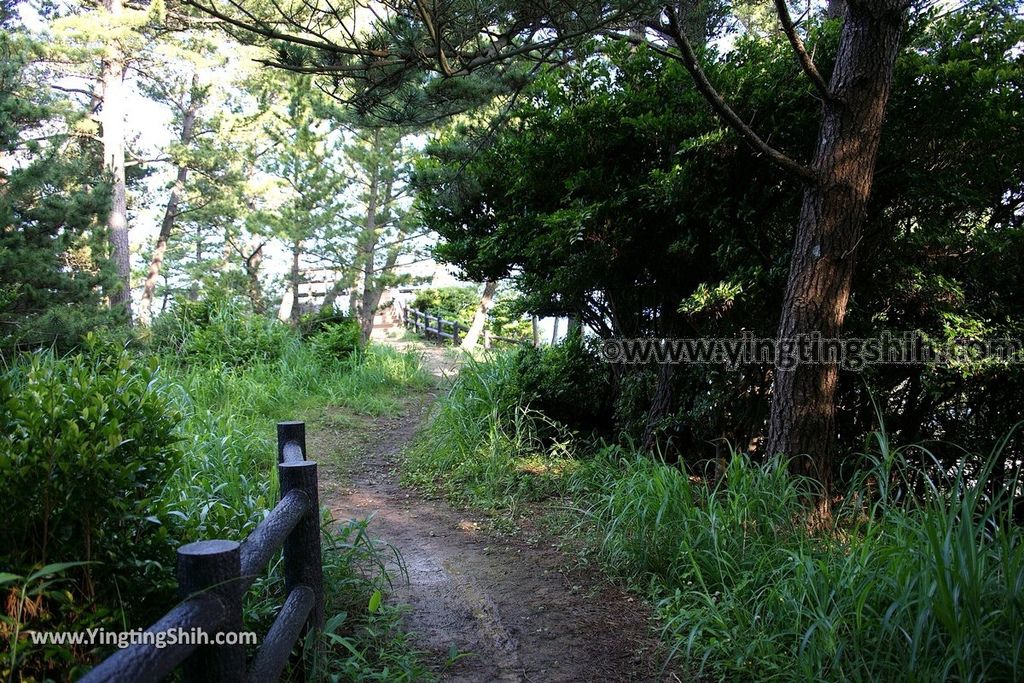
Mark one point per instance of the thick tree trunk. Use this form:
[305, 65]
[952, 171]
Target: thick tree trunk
[113, 122]
[802, 420]
[476, 328]
[170, 214]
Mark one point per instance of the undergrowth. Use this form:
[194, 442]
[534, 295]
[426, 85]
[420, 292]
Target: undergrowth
[921, 578]
[484, 448]
[179, 430]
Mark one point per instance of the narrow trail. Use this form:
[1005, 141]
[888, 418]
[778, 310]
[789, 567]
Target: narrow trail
[511, 602]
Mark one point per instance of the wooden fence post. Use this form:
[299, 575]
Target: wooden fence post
[487, 339]
[302, 562]
[455, 333]
[214, 567]
[292, 431]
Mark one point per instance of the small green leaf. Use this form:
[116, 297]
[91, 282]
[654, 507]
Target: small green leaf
[374, 602]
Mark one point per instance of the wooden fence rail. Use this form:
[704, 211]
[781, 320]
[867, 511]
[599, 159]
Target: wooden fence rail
[430, 325]
[213, 577]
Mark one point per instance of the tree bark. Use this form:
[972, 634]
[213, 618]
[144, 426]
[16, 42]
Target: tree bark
[112, 118]
[480, 317]
[802, 419]
[294, 278]
[661, 405]
[252, 272]
[170, 214]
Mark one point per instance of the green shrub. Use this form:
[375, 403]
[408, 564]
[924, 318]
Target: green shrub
[337, 341]
[451, 303]
[506, 317]
[88, 445]
[568, 383]
[220, 331]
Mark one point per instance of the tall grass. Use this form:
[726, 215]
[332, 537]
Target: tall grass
[227, 478]
[928, 590]
[921, 579]
[486, 448]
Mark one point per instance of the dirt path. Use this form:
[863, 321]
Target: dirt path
[514, 605]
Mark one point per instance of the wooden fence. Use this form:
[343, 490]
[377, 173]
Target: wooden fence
[213, 577]
[436, 327]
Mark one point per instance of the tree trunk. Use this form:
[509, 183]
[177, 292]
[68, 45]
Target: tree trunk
[113, 122]
[252, 272]
[661, 405]
[294, 277]
[332, 295]
[193, 290]
[367, 302]
[802, 419]
[480, 317]
[167, 225]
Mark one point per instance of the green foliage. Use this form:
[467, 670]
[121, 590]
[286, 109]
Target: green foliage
[485, 447]
[89, 445]
[506, 316]
[337, 341]
[220, 331]
[451, 303]
[567, 382]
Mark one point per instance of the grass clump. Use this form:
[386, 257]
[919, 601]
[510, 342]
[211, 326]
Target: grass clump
[485, 447]
[922, 589]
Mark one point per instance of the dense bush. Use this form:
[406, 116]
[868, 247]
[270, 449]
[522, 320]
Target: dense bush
[451, 303]
[88, 444]
[220, 331]
[568, 383]
[337, 340]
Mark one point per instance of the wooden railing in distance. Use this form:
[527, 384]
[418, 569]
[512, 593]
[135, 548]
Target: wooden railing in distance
[213, 577]
[434, 326]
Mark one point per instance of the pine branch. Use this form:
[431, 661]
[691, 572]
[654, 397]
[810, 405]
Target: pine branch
[689, 60]
[804, 57]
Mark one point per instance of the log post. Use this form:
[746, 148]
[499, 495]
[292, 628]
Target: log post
[215, 568]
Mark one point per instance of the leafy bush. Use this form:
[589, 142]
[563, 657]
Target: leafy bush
[506, 317]
[337, 341]
[88, 444]
[567, 382]
[451, 303]
[220, 331]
